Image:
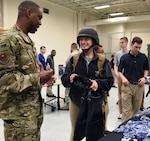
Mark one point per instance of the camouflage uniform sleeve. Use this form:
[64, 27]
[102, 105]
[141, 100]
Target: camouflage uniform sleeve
[34, 78]
[12, 78]
[16, 82]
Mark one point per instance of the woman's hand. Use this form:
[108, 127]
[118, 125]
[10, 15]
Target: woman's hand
[94, 85]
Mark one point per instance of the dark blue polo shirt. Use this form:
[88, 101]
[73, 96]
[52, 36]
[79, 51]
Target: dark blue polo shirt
[133, 66]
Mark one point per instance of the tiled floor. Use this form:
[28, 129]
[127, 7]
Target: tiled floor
[56, 125]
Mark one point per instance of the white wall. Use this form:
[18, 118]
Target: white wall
[110, 35]
[1, 14]
[141, 29]
[59, 28]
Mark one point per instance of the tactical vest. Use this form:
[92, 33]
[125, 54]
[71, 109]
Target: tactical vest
[100, 63]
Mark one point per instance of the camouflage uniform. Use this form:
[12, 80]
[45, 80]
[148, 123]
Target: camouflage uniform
[20, 98]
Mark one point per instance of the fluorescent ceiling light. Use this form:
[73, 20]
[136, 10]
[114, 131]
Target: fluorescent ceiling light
[116, 14]
[101, 7]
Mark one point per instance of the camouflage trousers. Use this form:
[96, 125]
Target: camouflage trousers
[23, 129]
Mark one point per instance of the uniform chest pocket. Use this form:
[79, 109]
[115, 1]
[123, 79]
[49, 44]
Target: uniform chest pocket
[27, 61]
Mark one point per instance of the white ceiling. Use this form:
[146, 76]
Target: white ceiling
[129, 7]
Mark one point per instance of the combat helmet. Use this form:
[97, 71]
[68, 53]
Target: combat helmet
[88, 32]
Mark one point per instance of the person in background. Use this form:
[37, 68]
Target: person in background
[74, 50]
[99, 49]
[123, 45]
[112, 68]
[112, 61]
[20, 77]
[87, 120]
[133, 71]
[50, 63]
[41, 56]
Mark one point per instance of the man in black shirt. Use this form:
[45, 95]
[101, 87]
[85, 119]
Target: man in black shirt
[133, 70]
[50, 63]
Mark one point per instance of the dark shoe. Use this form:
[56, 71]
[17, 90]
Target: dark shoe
[120, 117]
[108, 94]
[53, 108]
[50, 95]
[106, 132]
[142, 109]
[117, 103]
[65, 108]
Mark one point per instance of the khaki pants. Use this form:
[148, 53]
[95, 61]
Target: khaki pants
[67, 90]
[131, 100]
[119, 95]
[142, 103]
[49, 90]
[23, 129]
[74, 112]
[105, 110]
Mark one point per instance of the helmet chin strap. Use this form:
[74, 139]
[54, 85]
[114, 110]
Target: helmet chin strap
[87, 49]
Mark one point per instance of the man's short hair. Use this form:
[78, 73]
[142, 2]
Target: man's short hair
[96, 47]
[26, 5]
[73, 44]
[137, 40]
[124, 38]
[42, 47]
[53, 50]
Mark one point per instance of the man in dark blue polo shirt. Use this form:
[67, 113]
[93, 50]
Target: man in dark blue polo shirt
[133, 70]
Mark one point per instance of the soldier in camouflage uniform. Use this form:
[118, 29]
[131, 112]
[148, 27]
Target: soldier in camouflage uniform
[21, 77]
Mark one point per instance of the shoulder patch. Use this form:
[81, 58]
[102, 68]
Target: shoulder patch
[3, 58]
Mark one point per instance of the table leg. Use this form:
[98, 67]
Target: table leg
[58, 96]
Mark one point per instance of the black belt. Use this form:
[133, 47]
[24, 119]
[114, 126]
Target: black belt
[134, 83]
